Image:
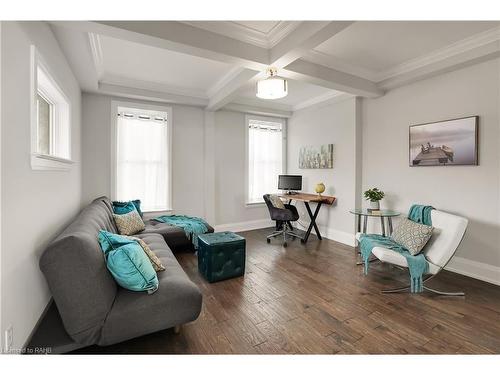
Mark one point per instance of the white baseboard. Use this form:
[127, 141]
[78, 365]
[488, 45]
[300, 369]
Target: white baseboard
[476, 270]
[245, 225]
[339, 236]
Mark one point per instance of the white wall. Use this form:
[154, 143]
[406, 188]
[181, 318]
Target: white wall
[187, 153]
[471, 191]
[230, 172]
[335, 123]
[37, 204]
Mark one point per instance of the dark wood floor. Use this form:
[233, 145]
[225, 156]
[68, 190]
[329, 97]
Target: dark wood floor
[314, 299]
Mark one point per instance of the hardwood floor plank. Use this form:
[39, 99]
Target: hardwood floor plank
[314, 299]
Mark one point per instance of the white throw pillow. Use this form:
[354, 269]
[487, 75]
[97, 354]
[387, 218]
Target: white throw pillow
[412, 236]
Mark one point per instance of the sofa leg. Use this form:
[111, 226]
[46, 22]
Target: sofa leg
[177, 329]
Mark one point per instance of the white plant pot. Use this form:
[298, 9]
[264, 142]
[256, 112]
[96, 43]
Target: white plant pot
[375, 205]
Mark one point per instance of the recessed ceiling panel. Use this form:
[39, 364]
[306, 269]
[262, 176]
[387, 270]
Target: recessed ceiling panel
[160, 66]
[380, 45]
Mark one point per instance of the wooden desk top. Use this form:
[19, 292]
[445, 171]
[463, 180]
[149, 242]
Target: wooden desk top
[305, 197]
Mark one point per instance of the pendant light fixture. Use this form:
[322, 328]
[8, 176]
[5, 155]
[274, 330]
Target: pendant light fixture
[273, 87]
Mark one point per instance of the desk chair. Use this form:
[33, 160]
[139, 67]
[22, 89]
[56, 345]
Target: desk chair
[283, 218]
[448, 233]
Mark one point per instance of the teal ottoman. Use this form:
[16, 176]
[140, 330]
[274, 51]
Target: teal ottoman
[221, 256]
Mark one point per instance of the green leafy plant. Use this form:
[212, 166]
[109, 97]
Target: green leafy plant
[374, 195]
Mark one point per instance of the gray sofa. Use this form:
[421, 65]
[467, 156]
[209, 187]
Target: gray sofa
[93, 308]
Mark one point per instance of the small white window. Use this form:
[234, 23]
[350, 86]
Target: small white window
[265, 156]
[143, 156]
[50, 123]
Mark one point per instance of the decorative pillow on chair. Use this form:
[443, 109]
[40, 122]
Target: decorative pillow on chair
[276, 201]
[128, 263]
[412, 236]
[121, 208]
[129, 223]
[155, 261]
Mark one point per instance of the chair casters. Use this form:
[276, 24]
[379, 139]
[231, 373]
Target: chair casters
[268, 240]
[302, 240]
[285, 244]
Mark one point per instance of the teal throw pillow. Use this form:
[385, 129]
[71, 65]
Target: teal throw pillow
[122, 208]
[128, 263]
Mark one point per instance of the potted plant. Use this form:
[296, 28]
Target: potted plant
[374, 195]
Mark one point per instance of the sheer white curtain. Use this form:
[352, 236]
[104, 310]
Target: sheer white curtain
[142, 160]
[265, 158]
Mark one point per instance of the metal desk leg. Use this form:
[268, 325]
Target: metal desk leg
[313, 222]
[383, 225]
[365, 223]
[389, 221]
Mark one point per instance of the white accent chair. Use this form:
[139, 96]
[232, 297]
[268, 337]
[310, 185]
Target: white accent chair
[448, 233]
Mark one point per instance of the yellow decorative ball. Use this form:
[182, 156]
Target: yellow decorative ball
[320, 188]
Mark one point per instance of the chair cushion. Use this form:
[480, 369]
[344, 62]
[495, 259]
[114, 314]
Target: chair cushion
[129, 223]
[393, 257]
[177, 301]
[276, 201]
[412, 236]
[128, 263]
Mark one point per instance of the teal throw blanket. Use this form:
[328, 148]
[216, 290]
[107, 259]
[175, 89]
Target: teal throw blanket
[192, 226]
[417, 264]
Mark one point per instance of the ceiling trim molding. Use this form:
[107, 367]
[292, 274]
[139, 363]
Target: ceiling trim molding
[280, 31]
[425, 62]
[339, 97]
[317, 100]
[445, 53]
[145, 94]
[262, 103]
[97, 55]
[152, 86]
[247, 34]
[260, 111]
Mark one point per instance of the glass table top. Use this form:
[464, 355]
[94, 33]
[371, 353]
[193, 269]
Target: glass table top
[366, 212]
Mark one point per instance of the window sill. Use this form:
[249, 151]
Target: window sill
[41, 162]
[155, 213]
[255, 204]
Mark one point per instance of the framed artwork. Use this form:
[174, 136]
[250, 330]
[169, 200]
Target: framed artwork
[442, 143]
[316, 157]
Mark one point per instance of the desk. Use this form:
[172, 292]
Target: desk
[308, 198]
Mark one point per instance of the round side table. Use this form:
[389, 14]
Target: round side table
[382, 214]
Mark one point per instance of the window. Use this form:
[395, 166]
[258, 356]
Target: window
[50, 119]
[143, 149]
[265, 150]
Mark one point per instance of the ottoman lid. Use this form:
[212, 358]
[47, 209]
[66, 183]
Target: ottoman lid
[219, 237]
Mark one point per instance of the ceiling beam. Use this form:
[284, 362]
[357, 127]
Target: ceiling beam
[304, 38]
[227, 90]
[179, 37]
[319, 75]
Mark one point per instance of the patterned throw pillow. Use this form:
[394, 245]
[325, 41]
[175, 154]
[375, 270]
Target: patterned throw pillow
[276, 201]
[412, 236]
[130, 223]
[155, 261]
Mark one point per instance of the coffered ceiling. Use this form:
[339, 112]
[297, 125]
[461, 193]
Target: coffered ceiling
[215, 64]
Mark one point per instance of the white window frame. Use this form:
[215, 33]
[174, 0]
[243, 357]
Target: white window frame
[114, 124]
[60, 119]
[248, 118]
